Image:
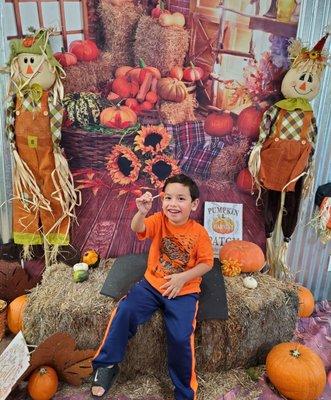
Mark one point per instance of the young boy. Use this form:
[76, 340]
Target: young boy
[180, 253]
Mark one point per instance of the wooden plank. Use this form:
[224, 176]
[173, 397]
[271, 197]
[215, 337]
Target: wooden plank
[273, 26]
[18, 18]
[55, 33]
[85, 19]
[63, 25]
[40, 13]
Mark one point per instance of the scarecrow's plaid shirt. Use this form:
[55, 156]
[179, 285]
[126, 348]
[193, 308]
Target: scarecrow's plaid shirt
[193, 148]
[291, 125]
[55, 116]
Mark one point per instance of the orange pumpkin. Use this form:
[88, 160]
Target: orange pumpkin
[43, 383]
[248, 254]
[306, 302]
[84, 50]
[91, 258]
[122, 71]
[296, 371]
[193, 73]
[218, 124]
[65, 58]
[249, 121]
[245, 181]
[15, 313]
[171, 89]
[223, 225]
[176, 72]
[118, 117]
[138, 73]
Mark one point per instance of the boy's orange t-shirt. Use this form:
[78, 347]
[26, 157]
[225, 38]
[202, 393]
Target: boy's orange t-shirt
[174, 249]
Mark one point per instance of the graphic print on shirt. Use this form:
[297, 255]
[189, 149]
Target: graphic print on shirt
[175, 253]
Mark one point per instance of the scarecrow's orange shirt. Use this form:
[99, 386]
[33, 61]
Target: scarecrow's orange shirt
[175, 249]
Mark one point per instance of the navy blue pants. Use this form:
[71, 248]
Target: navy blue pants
[180, 319]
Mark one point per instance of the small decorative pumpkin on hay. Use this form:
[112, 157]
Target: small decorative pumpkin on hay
[44, 196]
[91, 258]
[281, 162]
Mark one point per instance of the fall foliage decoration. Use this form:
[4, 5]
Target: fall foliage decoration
[59, 352]
[84, 50]
[15, 313]
[65, 58]
[306, 302]
[296, 371]
[249, 121]
[231, 267]
[91, 258]
[14, 280]
[248, 254]
[171, 89]
[118, 117]
[218, 124]
[43, 383]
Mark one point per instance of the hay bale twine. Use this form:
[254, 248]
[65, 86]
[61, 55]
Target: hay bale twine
[159, 46]
[89, 76]
[258, 320]
[120, 23]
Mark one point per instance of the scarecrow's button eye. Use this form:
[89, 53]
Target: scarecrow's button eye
[25, 60]
[310, 79]
[31, 60]
[302, 78]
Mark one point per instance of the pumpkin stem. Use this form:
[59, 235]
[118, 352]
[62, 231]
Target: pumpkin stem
[295, 353]
[191, 64]
[42, 371]
[161, 4]
[142, 63]
[63, 50]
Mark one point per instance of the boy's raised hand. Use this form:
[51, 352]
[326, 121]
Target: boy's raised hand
[144, 202]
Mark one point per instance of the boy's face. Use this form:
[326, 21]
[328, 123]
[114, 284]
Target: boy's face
[177, 203]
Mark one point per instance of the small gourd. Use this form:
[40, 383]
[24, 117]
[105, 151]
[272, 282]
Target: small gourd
[250, 282]
[80, 273]
[91, 258]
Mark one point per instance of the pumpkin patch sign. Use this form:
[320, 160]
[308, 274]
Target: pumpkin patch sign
[223, 222]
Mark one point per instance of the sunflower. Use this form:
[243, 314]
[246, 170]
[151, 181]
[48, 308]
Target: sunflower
[160, 168]
[152, 139]
[123, 165]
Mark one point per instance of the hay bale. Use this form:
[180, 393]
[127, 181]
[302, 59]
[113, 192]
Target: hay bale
[176, 113]
[89, 76]
[230, 160]
[161, 47]
[257, 321]
[120, 24]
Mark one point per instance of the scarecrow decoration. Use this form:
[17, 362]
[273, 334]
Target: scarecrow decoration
[44, 196]
[281, 162]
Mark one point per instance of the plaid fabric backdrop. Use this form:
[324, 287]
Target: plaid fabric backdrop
[194, 149]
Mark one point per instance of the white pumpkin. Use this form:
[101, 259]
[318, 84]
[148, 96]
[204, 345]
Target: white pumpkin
[250, 282]
[80, 267]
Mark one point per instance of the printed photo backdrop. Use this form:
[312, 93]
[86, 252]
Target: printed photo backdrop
[241, 48]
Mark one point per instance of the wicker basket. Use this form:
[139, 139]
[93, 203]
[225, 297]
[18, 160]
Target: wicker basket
[84, 149]
[151, 117]
[3, 314]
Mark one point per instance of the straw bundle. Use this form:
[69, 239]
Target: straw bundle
[119, 28]
[161, 47]
[89, 76]
[176, 113]
[258, 320]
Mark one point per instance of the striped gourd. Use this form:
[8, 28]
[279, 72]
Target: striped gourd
[83, 108]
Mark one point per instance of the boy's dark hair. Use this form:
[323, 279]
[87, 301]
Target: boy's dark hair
[186, 181]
